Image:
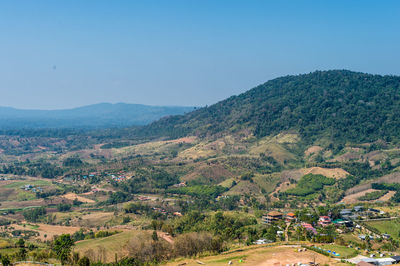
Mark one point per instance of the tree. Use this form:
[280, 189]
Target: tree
[84, 261]
[154, 236]
[5, 261]
[20, 243]
[62, 246]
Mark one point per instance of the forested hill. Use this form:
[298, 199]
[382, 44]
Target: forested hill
[339, 104]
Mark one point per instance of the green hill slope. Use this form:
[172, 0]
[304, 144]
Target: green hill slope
[338, 104]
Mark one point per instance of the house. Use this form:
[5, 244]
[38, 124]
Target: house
[309, 228]
[364, 263]
[358, 208]
[376, 211]
[290, 217]
[386, 236]
[324, 221]
[345, 213]
[362, 237]
[385, 261]
[396, 258]
[262, 241]
[272, 216]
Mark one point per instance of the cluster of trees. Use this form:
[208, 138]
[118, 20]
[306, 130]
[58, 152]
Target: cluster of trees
[81, 234]
[148, 179]
[34, 214]
[64, 207]
[37, 168]
[389, 186]
[199, 191]
[373, 195]
[219, 224]
[118, 197]
[72, 162]
[310, 184]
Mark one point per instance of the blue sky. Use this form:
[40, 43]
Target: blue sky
[60, 54]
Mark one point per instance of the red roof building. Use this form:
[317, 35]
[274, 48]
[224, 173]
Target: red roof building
[324, 221]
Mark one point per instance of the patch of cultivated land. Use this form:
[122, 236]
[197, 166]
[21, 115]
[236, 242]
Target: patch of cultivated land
[390, 178]
[313, 150]
[296, 174]
[21, 204]
[94, 219]
[328, 172]
[262, 256]
[49, 230]
[391, 227]
[387, 196]
[244, 187]
[106, 247]
[73, 196]
[353, 198]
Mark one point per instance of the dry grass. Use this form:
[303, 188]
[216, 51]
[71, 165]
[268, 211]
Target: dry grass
[94, 219]
[261, 256]
[387, 196]
[336, 173]
[353, 198]
[106, 248]
[216, 173]
[49, 230]
[73, 196]
[244, 187]
[312, 150]
[390, 178]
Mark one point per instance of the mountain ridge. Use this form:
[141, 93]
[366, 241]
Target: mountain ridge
[96, 115]
[337, 104]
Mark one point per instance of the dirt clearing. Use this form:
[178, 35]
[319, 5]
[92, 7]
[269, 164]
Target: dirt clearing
[262, 256]
[49, 230]
[353, 198]
[72, 196]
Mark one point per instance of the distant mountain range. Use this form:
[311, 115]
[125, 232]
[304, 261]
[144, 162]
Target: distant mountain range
[103, 115]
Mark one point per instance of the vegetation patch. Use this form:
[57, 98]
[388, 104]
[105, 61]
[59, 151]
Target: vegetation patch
[391, 227]
[310, 184]
[199, 191]
[373, 195]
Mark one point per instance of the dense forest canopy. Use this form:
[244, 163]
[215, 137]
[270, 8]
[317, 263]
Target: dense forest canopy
[338, 104]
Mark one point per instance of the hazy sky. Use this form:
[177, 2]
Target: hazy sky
[59, 54]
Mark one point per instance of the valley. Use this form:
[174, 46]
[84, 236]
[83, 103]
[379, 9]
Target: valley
[256, 179]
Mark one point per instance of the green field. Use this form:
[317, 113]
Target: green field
[18, 184]
[391, 227]
[113, 244]
[25, 195]
[343, 251]
[4, 243]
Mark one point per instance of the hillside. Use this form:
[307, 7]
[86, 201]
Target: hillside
[98, 115]
[339, 105]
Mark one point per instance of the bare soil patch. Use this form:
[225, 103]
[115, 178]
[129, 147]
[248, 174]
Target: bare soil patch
[184, 140]
[73, 196]
[261, 256]
[387, 196]
[353, 198]
[328, 172]
[49, 230]
[313, 150]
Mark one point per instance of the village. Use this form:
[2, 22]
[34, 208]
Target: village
[347, 226]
